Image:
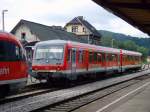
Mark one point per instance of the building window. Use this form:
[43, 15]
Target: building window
[23, 36]
[84, 30]
[74, 28]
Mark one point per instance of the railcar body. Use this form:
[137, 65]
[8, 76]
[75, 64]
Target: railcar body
[13, 66]
[59, 58]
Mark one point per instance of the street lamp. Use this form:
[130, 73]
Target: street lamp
[3, 22]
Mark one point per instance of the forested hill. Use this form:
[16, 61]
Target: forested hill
[144, 42]
[127, 42]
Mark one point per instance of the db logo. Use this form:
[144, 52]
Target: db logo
[4, 71]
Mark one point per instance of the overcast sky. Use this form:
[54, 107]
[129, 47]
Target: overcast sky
[59, 12]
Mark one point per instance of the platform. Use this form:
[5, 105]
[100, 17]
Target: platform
[139, 103]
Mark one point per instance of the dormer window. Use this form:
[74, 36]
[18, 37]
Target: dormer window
[74, 29]
[23, 36]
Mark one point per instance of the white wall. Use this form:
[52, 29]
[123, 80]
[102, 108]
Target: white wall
[80, 30]
[29, 36]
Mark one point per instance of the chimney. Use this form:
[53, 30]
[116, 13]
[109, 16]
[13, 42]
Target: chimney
[57, 27]
[80, 17]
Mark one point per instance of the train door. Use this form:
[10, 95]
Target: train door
[73, 60]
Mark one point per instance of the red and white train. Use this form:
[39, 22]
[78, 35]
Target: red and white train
[66, 59]
[13, 66]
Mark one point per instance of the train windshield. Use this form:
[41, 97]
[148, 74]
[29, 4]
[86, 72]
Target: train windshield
[10, 51]
[52, 54]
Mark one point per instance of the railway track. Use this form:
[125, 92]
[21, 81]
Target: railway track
[77, 102]
[37, 89]
[26, 94]
[49, 100]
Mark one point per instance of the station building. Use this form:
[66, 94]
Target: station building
[29, 33]
[83, 29]
[79, 30]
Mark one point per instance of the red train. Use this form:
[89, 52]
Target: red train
[13, 66]
[66, 59]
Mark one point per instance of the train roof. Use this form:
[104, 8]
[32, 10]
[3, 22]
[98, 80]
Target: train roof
[83, 45]
[131, 53]
[57, 41]
[8, 37]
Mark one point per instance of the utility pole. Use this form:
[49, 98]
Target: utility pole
[3, 21]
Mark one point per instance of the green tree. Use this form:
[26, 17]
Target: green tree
[144, 52]
[106, 41]
[130, 45]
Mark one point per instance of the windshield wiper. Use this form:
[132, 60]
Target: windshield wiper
[39, 58]
[55, 58]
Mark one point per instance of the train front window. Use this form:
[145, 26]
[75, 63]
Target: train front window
[52, 53]
[55, 53]
[10, 51]
[2, 50]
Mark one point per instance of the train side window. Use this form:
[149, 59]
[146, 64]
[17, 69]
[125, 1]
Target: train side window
[2, 50]
[118, 58]
[110, 57]
[107, 57]
[124, 58]
[138, 59]
[69, 55]
[18, 53]
[95, 56]
[130, 58]
[99, 57]
[73, 56]
[103, 57]
[80, 56]
[113, 57]
[90, 57]
[133, 58]
[10, 51]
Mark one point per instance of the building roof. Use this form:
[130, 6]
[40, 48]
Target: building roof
[47, 33]
[80, 20]
[135, 12]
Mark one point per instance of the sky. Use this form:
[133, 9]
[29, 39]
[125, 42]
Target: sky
[59, 12]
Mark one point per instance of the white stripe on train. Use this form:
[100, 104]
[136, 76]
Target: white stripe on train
[13, 81]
